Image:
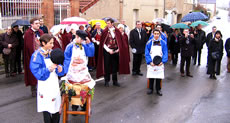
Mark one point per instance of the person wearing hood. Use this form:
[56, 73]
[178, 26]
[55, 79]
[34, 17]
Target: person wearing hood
[58, 41]
[215, 54]
[156, 55]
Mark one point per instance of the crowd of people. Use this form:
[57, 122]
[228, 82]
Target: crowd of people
[107, 52]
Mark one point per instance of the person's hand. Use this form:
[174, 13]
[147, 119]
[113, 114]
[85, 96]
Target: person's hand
[59, 68]
[111, 52]
[191, 35]
[52, 67]
[152, 64]
[186, 35]
[9, 45]
[87, 40]
[117, 51]
[160, 64]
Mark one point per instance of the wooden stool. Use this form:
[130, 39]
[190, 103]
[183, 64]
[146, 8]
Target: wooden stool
[66, 110]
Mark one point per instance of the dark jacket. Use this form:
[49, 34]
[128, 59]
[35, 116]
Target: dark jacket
[20, 40]
[174, 45]
[44, 29]
[200, 39]
[209, 37]
[227, 47]
[6, 39]
[136, 43]
[214, 65]
[186, 47]
[95, 32]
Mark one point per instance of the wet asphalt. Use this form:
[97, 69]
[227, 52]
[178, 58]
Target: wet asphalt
[185, 100]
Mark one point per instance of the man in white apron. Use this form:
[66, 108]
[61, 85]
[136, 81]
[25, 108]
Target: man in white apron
[155, 72]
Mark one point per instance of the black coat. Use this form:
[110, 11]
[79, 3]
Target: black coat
[227, 47]
[186, 48]
[214, 65]
[174, 45]
[209, 37]
[44, 29]
[136, 43]
[200, 39]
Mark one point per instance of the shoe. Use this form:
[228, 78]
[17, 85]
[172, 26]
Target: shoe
[134, 73]
[182, 75]
[116, 84]
[21, 73]
[199, 64]
[34, 93]
[210, 76]
[214, 77]
[150, 91]
[189, 75]
[140, 74]
[106, 84]
[159, 93]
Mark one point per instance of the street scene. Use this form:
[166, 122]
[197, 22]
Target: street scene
[117, 69]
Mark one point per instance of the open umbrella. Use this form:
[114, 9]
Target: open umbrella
[166, 28]
[74, 20]
[180, 26]
[194, 24]
[102, 22]
[194, 16]
[20, 23]
[160, 21]
[106, 18]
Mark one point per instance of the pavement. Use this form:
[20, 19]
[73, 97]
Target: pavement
[185, 100]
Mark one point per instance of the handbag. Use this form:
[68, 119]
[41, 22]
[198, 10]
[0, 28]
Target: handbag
[6, 51]
[215, 55]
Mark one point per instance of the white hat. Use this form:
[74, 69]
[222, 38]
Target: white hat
[55, 29]
[74, 26]
[121, 26]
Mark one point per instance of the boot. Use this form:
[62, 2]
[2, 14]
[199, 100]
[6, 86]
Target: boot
[116, 84]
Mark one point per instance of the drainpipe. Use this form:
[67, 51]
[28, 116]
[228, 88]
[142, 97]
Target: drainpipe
[164, 10]
[121, 10]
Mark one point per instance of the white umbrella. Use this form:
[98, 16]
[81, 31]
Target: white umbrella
[160, 21]
[74, 20]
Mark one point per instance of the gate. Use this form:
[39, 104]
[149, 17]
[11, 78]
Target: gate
[61, 10]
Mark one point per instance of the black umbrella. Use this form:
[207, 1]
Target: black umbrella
[20, 23]
[166, 28]
[114, 19]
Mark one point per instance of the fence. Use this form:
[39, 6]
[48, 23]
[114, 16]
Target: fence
[12, 10]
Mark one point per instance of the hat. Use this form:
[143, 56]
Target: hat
[121, 26]
[57, 56]
[82, 34]
[157, 60]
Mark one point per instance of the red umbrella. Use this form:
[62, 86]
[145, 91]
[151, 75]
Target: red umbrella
[74, 20]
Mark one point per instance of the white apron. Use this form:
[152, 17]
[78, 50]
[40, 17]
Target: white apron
[156, 72]
[48, 92]
[79, 72]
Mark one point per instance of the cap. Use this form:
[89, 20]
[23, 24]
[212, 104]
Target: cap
[57, 56]
[82, 34]
[157, 60]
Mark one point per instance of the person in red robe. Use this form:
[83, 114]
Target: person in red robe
[66, 38]
[58, 41]
[31, 43]
[111, 55]
[125, 40]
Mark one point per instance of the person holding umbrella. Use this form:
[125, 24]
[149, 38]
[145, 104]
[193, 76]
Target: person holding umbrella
[156, 55]
[200, 38]
[174, 45]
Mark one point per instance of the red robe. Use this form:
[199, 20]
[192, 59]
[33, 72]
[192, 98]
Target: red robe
[66, 38]
[57, 45]
[123, 58]
[126, 45]
[29, 40]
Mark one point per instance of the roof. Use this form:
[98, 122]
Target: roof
[86, 4]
